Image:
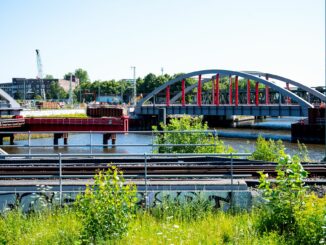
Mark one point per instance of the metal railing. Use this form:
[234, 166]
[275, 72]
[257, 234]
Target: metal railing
[144, 157]
[91, 145]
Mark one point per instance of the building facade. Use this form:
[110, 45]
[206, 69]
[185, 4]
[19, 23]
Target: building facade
[28, 89]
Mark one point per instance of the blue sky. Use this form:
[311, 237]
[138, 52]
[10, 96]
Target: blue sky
[107, 37]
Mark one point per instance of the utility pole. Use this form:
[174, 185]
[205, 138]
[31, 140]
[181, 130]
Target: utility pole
[24, 90]
[162, 71]
[134, 84]
[70, 90]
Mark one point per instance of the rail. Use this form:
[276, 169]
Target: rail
[144, 162]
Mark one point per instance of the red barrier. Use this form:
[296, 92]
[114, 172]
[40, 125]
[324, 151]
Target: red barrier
[183, 87]
[199, 91]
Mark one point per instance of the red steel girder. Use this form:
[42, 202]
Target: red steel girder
[199, 91]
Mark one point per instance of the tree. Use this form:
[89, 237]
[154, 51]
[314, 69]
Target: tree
[56, 91]
[38, 97]
[18, 96]
[48, 76]
[188, 140]
[82, 75]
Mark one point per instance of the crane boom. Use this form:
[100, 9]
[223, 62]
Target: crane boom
[40, 72]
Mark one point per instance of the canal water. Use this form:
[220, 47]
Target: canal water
[241, 136]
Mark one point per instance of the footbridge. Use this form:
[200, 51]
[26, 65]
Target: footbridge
[230, 93]
[8, 106]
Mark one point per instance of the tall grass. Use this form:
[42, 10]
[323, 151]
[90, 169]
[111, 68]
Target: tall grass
[55, 227]
[64, 227]
[213, 228]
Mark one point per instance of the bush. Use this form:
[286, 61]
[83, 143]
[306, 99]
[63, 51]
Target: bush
[311, 221]
[107, 207]
[268, 150]
[187, 123]
[284, 197]
[289, 209]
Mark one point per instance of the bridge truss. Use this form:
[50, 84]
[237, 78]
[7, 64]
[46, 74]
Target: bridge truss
[261, 97]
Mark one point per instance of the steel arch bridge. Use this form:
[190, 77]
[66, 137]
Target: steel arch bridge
[271, 100]
[8, 105]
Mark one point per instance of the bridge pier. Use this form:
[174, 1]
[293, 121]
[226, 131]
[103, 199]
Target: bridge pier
[107, 137]
[11, 137]
[57, 136]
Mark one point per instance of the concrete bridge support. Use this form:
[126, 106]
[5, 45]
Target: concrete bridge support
[107, 137]
[57, 136]
[11, 137]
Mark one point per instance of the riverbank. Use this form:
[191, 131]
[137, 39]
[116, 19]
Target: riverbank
[49, 113]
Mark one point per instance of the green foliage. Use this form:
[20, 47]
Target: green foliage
[284, 196]
[56, 227]
[38, 97]
[182, 210]
[213, 228]
[107, 207]
[48, 76]
[187, 123]
[288, 209]
[268, 150]
[82, 75]
[303, 152]
[56, 92]
[311, 221]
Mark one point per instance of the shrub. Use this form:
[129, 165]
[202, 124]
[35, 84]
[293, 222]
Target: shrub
[268, 150]
[289, 209]
[311, 221]
[107, 207]
[284, 197]
[187, 123]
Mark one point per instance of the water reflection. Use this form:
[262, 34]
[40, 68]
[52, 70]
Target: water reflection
[242, 138]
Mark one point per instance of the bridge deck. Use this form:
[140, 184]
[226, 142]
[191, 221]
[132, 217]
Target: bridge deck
[225, 110]
[77, 124]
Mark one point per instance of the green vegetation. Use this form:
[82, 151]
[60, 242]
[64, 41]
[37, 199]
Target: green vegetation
[56, 92]
[187, 123]
[289, 210]
[268, 150]
[33, 136]
[73, 115]
[303, 152]
[52, 227]
[286, 213]
[105, 215]
[106, 208]
[87, 90]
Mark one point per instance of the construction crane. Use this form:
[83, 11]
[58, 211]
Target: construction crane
[40, 73]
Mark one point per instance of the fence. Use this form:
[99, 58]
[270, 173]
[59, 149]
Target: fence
[91, 145]
[144, 158]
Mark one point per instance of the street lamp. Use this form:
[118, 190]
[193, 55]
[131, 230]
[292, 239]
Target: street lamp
[134, 83]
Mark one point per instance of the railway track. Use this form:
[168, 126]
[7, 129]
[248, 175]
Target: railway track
[154, 167]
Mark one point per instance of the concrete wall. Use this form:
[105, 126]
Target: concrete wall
[28, 201]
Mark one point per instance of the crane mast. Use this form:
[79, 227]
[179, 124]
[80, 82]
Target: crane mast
[40, 72]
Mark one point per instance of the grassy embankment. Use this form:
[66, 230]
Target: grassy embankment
[64, 227]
